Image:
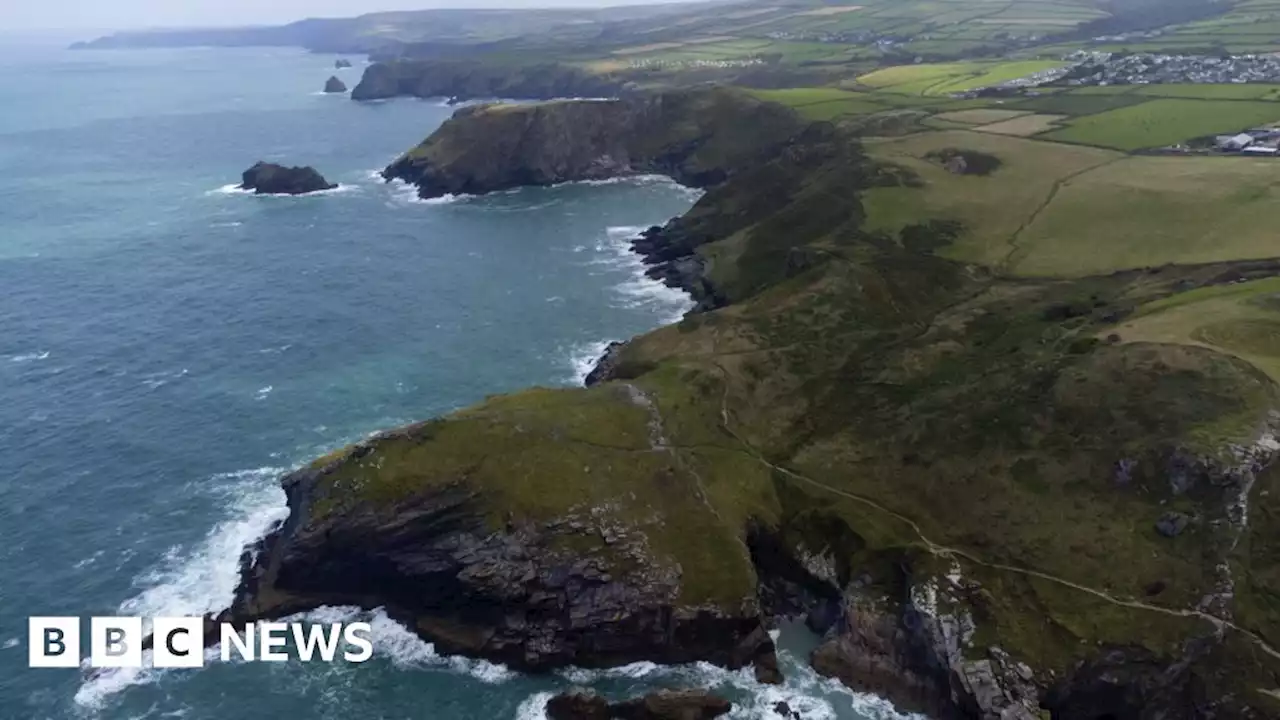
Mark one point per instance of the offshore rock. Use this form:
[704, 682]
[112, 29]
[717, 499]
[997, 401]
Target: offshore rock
[270, 179]
[661, 705]
[334, 85]
[341, 63]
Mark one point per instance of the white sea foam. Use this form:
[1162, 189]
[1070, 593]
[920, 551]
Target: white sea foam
[263, 392]
[641, 290]
[405, 650]
[30, 357]
[583, 358]
[534, 707]
[235, 189]
[804, 691]
[199, 580]
[160, 379]
[10, 644]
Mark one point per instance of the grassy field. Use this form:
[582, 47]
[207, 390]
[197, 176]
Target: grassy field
[1146, 211]
[1068, 211]
[1163, 122]
[1076, 103]
[980, 116]
[948, 78]
[1024, 125]
[992, 208]
[1243, 320]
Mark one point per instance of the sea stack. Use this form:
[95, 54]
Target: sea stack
[334, 85]
[341, 63]
[270, 179]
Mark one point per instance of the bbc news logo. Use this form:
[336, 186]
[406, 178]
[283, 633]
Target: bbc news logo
[179, 642]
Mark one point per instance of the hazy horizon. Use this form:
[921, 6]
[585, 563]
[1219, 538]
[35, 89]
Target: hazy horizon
[90, 15]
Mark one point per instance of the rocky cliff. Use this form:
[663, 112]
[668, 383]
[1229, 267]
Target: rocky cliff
[988, 502]
[470, 79]
[696, 138]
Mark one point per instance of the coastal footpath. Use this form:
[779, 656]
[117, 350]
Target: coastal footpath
[987, 502]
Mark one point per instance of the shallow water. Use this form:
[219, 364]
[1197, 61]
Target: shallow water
[169, 347]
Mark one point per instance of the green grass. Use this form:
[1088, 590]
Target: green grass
[948, 78]
[1147, 211]
[1076, 104]
[1249, 91]
[1164, 122]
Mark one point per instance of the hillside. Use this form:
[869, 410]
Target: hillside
[1000, 477]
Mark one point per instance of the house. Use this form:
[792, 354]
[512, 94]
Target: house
[1235, 142]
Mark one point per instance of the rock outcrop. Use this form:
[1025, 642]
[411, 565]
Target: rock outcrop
[662, 705]
[341, 63]
[523, 593]
[470, 79]
[334, 85]
[270, 179]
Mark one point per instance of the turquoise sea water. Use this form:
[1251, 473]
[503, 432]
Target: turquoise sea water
[169, 347]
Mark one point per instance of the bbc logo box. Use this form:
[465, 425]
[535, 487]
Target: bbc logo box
[179, 642]
[55, 642]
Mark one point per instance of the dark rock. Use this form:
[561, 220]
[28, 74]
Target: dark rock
[607, 366]
[1155, 588]
[674, 705]
[341, 63]
[661, 705]
[334, 85]
[578, 706]
[271, 179]
[766, 668]
[1171, 524]
[917, 661]
[1132, 683]
[784, 710]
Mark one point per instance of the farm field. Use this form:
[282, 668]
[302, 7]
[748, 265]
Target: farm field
[1074, 103]
[992, 207]
[1059, 210]
[1163, 122]
[979, 116]
[948, 78]
[1145, 211]
[1023, 126]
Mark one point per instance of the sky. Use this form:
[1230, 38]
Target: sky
[20, 15]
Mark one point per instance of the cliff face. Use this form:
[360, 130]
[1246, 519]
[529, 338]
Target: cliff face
[697, 138]
[467, 79]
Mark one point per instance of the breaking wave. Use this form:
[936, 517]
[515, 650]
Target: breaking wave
[202, 579]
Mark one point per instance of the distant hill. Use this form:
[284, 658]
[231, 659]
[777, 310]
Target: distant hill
[367, 33]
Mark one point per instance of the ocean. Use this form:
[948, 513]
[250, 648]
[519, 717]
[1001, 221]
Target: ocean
[170, 346]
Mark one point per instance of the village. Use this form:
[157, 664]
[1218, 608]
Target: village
[1101, 68]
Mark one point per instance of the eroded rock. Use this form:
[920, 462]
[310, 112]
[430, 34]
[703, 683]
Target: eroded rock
[271, 179]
